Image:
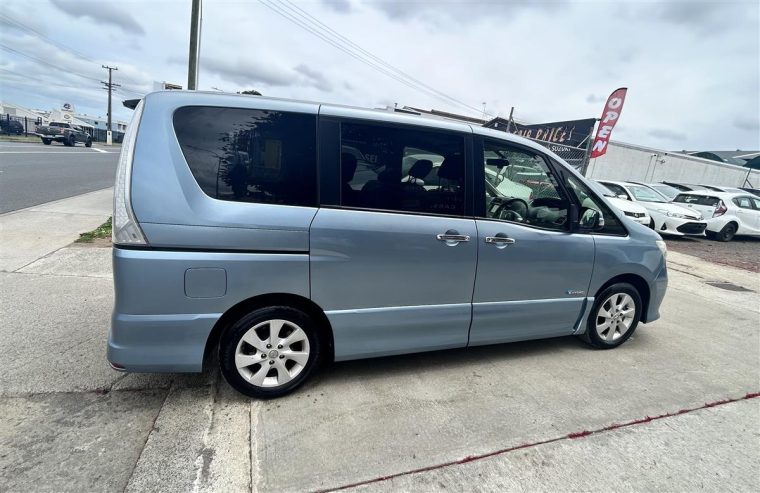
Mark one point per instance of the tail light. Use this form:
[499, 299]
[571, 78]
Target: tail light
[125, 228]
[60, 130]
[720, 209]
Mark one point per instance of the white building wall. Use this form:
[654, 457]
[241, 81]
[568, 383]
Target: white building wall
[627, 162]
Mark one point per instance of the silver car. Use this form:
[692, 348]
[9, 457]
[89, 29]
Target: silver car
[283, 234]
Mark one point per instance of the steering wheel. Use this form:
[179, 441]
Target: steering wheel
[512, 210]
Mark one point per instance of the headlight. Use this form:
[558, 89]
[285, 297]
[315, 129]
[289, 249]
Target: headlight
[663, 248]
[679, 216]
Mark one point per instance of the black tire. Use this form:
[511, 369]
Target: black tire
[46, 141]
[592, 336]
[88, 143]
[727, 233]
[276, 362]
[72, 141]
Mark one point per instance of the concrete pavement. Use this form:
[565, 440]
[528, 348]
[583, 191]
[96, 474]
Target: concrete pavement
[72, 424]
[29, 234]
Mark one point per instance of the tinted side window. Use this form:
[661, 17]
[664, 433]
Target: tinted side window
[247, 155]
[402, 169]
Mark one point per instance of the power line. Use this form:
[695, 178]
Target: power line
[321, 25]
[44, 62]
[35, 32]
[328, 37]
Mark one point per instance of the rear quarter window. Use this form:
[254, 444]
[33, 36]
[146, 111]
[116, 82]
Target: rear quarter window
[248, 155]
[686, 198]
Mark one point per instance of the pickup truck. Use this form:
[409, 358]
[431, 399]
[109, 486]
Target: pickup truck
[65, 133]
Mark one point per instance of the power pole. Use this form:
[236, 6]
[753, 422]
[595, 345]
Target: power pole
[109, 86]
[195, 30]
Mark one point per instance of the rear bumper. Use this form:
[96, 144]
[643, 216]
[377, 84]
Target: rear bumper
[159, 343]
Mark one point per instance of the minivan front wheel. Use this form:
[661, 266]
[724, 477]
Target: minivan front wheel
[269, 352]
[614, 316]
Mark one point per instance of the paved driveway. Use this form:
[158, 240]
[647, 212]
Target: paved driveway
[510, 417]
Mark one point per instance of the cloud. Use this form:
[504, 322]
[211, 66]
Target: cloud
[460, 11]
[666, 134]
[342, 6]
[101, 12]
[747, 123]
[593, 99]
[246, 72]
[314, 77]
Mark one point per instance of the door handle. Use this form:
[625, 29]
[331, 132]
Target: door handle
[452, 237]
[448, 237]
[501, 241]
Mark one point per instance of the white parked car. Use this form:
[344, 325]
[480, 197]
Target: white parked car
[665, 217]
[631, 209]
[727, 214]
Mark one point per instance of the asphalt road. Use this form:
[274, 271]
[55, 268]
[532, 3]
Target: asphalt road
[32, 174]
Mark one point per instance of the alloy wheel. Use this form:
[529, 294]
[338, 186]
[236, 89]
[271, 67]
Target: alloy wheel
[272, 353]
[615, 316]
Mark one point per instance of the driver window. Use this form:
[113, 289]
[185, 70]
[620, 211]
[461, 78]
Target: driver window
[587, 200]
[521, 188]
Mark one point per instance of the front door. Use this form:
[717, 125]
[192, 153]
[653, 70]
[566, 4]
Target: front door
[393, 264]
[532, 273]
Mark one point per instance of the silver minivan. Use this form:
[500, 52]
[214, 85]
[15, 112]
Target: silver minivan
[282, 234]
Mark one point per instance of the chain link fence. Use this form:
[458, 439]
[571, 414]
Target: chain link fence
[22, 125]
[18, 125]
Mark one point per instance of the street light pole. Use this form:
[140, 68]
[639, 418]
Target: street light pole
[195, 28]
[109, 86]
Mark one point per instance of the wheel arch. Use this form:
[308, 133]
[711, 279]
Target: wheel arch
[273, 299]
[637, 282]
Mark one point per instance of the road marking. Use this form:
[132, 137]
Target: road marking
[101, 150]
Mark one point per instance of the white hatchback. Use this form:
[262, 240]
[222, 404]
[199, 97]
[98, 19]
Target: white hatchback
[727, 214]
[666, 217]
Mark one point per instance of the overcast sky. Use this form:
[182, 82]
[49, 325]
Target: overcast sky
[692, 68]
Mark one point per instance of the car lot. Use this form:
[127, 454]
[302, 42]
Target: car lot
[33, 173]
[742, 252]
[504, 417]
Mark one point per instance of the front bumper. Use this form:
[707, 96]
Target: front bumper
[682, 227]
[657, 291]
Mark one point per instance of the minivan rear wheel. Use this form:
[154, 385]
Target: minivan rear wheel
[269, 352]
[614, 316]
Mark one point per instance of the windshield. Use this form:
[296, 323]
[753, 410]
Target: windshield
[666, 190]
[601, 189]
[646, 194]
[56, 124]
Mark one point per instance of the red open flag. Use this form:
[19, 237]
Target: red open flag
[610, 116]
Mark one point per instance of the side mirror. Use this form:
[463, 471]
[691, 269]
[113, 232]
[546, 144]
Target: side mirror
[622, 196]
[591, 220]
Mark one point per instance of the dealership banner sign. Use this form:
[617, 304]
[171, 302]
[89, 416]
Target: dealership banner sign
[610, 116]
[571, 133]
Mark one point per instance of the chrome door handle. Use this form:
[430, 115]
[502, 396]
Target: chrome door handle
[452, 237]
[500, 240]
